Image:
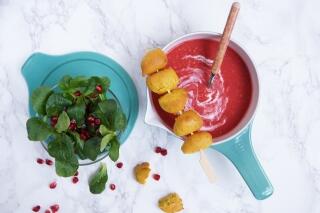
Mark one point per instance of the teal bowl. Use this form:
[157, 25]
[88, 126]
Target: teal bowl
[47, 70]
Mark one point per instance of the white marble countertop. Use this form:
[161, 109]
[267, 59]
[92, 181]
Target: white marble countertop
[283, 37]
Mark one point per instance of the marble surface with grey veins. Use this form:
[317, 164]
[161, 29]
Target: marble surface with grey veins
[283, 38]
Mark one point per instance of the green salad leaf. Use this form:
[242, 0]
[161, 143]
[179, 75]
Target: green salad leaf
[104, 130]
[39, 98]
[105, 140]
[97, 183]
[63, 122]
[61, 148]
[114, 149]
[56, 104]
[91, 148]
[119, 121]
[77, 112]
[38, 130]
[108, 106]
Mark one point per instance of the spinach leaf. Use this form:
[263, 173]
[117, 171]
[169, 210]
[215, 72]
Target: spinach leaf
[104, 130]
[105, 140]
[77, 112]
[108, 106]
[91, 148]
[67, 168]
[114, 149]
[63, 122]
[56, 103]
[119, 121]
[38, 130]
[79, 144]
[97, 183]
[61, 149]
[39, 98]
[64, 83]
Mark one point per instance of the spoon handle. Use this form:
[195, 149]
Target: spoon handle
[226, 37]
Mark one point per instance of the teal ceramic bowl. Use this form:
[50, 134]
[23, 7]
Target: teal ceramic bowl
[42, 69]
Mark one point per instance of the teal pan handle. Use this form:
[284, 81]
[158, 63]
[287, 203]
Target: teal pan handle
[240, 152]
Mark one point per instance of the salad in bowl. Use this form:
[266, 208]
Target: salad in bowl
[79, 122]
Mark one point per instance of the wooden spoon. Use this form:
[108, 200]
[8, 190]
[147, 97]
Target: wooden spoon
[224, 42]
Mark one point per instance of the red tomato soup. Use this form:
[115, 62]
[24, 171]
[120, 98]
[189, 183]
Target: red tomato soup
[224, 104]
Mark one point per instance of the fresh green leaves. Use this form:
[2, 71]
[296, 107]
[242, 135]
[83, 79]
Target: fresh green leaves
[91, 148]
[79, 121]
[56, 104]
[77, 112]
[39, 98]
[114, 149]
[83, 84]
[97, 183]
[119, 121]
[61, 148]
[105, 140]
[108, 106]
[63, 122]
[38, 130]
[104, 130]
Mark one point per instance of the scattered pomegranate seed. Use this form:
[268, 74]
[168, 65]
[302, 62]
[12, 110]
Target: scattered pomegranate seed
[97, 121]
[47, 211]
[158, 149]
[164, 152]
[99, 88]
[75, 180]
[156, 177]
[119, 165]
[112, 186]
[54, 208]
[49, 162]
[36, 208]
[40, 161]
[73, 125]
[53, 185]
[77, 93]
[76, 174]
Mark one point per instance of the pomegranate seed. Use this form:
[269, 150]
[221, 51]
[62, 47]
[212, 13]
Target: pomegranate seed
[158, 149]
[112, 186]
[36, 208]
[76, 174]
[72, 126]
[164, 152]
[54, 208]
[49, 162]
[99, 88]
[40, 161]
[54, 118]
[73, 121]
[119, 165]
[53, 185]
[77, 93]
[156, 177]
[83, 136]
[97, 121]
[47, 211]
[75, 180]
[90, 119]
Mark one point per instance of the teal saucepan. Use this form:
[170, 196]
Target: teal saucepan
[235, 145]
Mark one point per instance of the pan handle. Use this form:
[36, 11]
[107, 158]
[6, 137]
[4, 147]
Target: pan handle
[240, 152]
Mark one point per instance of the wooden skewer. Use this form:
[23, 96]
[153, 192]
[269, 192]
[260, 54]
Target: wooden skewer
[206, 166]
[224, 42]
